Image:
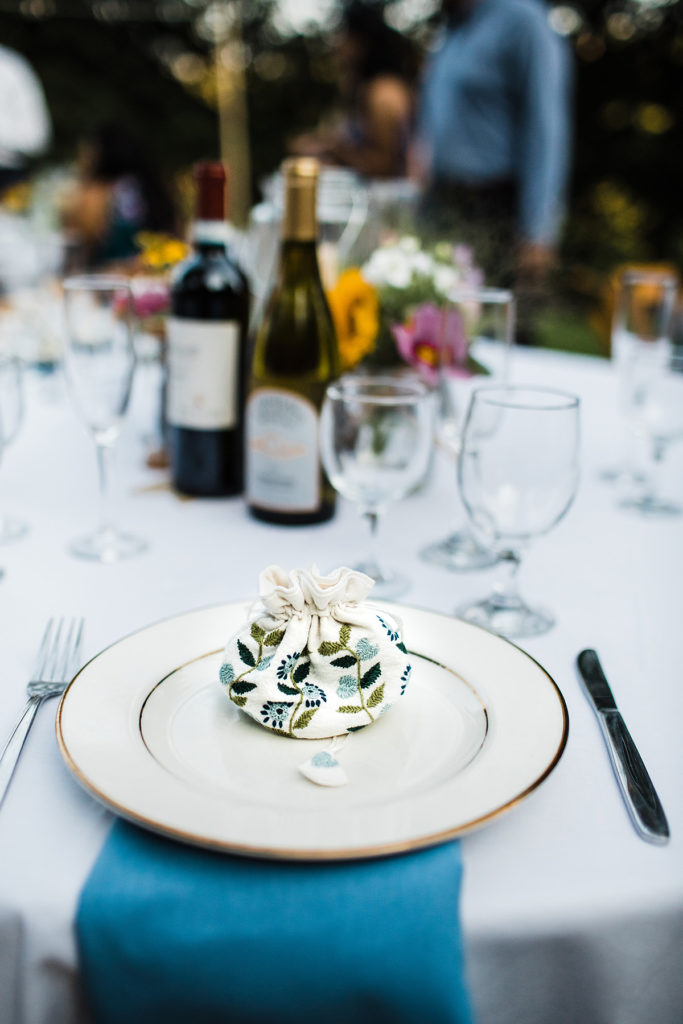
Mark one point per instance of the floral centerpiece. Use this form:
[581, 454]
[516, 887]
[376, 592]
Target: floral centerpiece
[393, 310]
[151, 289]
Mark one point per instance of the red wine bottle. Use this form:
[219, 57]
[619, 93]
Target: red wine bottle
[207, 341]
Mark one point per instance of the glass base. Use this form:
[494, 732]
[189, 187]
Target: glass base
[516, 620]
[625, 474]
[12, 529]
[459, 552]
[388, 584]
[107, 546]
[650, 505]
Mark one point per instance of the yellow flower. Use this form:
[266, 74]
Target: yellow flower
[160, 251]
[355, 311]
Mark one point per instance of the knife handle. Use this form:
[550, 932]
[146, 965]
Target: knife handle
[636, 785]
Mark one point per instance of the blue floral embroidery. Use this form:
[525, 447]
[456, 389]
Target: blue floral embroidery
[348, 685]
[405, 678]
[324, 760]
[391, 633]
[313, 695]
[287, 664]
[264, 663]
[384, 710]
[366, 649]
[276, 712]
[226, 674]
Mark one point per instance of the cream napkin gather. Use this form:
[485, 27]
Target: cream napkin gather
[314, 661]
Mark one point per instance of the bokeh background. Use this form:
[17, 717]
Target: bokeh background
[195, 78]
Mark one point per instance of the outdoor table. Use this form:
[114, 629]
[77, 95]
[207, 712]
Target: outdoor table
[568, 916]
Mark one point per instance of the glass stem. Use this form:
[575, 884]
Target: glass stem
[505, 590]
[104, 461]
[372, 517]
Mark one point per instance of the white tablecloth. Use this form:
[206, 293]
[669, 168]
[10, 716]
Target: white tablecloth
[568, 915]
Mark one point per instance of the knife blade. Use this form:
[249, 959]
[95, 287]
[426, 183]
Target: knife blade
[636, 786]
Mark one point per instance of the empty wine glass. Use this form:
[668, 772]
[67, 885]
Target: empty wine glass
[643, 307]
[518, 472]
[11, 417]
[99, 362]
[653, 396]
[376, 434]
[476, 333]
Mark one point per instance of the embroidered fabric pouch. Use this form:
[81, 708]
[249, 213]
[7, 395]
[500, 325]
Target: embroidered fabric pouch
[313, 660]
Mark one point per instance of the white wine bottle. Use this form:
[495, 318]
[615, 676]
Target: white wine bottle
[295, 357]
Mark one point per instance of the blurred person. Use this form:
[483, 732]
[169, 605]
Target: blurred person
[25, 126]
[118, 194]
[493, 136]
[376, 69]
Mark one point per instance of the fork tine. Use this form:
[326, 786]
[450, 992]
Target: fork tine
[73, 657]
[41, 658]
[65, 653]
[53, 655]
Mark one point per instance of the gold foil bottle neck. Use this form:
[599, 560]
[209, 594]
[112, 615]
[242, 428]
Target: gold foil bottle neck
[300, 222]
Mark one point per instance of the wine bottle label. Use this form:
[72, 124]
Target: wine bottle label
[283, 466]
[203, 373]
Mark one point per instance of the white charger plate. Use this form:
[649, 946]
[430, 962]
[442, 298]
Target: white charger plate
[147, 729]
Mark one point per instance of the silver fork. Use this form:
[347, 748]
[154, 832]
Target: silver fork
[55, 665]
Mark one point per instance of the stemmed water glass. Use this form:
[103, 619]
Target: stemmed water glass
[518, 473]
[99, 362]
[651, 372]
[476, 334]
[376, 435]
[11, 417]
[643, 309]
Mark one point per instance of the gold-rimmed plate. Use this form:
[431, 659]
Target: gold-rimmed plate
[147, 729]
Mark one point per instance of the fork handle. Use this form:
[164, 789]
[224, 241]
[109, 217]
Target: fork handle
[10, 755]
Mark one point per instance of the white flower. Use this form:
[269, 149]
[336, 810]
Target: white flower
[423, 264]
[445, 279]
[409, 243]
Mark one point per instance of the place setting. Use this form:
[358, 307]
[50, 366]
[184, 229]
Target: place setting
[341, 402]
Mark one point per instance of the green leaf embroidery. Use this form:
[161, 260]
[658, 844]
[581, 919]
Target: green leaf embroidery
[245, 654]
[402, 647]
[346, 661]
[344, 634]
[286, 689]
[304, 719]
[371, 676]
[326, 648]
[376, 697]
[349, 709]
[274, 638]
[356, 728]
[257, 632]
[301, 671]
[243, 687]
[239, 701]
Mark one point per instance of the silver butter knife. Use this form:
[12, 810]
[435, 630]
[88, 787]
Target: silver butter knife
[639, 794]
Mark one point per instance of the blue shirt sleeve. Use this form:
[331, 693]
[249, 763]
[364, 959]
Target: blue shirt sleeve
[544, 74]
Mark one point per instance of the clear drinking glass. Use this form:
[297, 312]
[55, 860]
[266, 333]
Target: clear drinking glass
[477, 329]
[11, 418]
[643, 307]
[376, 435]
[518, 472]
[99, 362]
[651, 381]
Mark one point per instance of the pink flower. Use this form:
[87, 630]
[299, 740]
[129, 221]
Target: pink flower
[431, 339]
[151, 303]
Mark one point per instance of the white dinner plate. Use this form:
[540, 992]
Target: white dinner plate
[146, 727]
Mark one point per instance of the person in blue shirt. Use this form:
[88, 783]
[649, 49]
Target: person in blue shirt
[493, 134]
